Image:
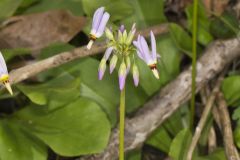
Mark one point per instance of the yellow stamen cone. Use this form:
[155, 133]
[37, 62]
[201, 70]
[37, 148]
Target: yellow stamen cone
[8, 86]
[90, 43]
[155, 73]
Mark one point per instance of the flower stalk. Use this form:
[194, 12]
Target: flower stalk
[122, 124]
[194, 59]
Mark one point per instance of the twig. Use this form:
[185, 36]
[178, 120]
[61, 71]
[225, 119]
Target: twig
[230, 149]
[203, 119]
[212, 140]
[28, 71]
[170, 98]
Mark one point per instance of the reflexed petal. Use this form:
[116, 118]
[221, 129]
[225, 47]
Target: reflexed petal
[108, 52]
[3, 67]
[153, 43]
[97, 19]
[145, 50]
[139, 55]
[102, 25]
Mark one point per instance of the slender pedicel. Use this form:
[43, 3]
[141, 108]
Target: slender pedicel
[4, 77]
[100, 20]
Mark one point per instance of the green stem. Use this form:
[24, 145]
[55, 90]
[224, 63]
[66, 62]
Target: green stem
[194, 59]
[122, 125]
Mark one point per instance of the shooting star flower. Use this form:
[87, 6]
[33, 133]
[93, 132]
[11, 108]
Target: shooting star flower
[100, 20]
[4, 77]
[143, 52]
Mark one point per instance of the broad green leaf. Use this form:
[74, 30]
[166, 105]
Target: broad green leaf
[118, 9]
[236, 114]
[218, 154]
[180, 144]
[146, 13]
[203, 140]
[54, 49]
[134, 155]
[237, 135]
[16, 144]
[79, 128]
[11, 53]
[174, 124]
[229, 26]
[231, 88]
[8, 7]
[178, 34]
[101, 91]
[75, 6]
[204, 37]
[54, 93]
[27, 3]
[160, 139]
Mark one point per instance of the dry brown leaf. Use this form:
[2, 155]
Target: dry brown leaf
[215, 6]
[36, 31]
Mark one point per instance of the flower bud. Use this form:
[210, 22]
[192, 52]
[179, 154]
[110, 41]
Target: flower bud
[113, 63]
[135, 73]
[131, 35]
[101, 68]
[109, 34]
[128, 62]
[122, 73]
[124, 37]
[120, 37]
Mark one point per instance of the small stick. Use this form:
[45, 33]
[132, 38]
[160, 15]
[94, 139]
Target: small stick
[230, 149]
[203, 119]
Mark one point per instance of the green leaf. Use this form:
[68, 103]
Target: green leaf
[237, 135]
[101, 91]
[204, 37]
[79, 128]
[11, 53]
[160, 139]
[75, 6]
[8, 7]
[218, 154]
[229, 26]
[178, 34]
[134, 155]
[180, 144]
[54, 93]
[118, 9]
[146, 13]
[16, 144]
[231, 88]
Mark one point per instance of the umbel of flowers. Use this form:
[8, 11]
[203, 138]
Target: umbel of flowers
[122, 49]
